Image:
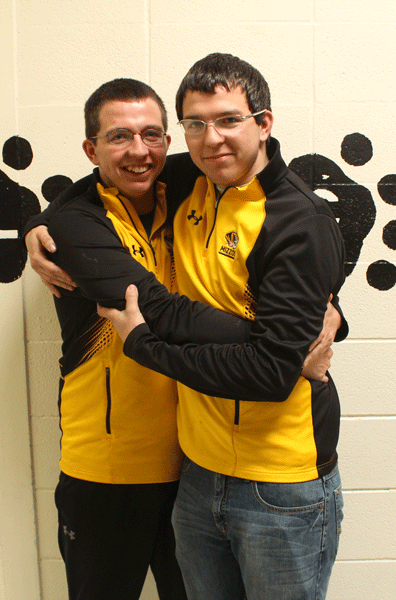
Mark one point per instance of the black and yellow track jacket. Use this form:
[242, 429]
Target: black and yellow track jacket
[291, 261]
[118, 419]
[271, 250]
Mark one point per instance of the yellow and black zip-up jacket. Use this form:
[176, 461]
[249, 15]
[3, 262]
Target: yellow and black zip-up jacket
[269, 250]
[118, 419]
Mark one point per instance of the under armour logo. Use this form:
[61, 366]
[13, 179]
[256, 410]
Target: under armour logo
[139, 250]
[196, 219]
[71, 534]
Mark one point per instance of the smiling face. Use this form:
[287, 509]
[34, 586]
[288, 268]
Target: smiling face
[131, 169]
[233, 158]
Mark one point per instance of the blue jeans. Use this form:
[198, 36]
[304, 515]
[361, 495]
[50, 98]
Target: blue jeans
[238, 539]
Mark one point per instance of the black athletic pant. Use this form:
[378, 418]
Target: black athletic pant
[109, 534]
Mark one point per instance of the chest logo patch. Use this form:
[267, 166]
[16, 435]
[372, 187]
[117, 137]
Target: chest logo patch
[137, 250]
[229, 249]
[192, 215]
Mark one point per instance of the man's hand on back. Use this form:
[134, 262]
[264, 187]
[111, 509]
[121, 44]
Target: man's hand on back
[318, 358]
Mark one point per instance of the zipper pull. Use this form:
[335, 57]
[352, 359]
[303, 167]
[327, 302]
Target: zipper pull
[153, 251]
[218, 195]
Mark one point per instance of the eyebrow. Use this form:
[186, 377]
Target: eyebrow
[225, 113]
[145, 128]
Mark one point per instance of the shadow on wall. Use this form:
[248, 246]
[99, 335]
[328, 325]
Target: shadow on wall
[351, 203]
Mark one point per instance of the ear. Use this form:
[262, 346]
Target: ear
[266, 125]
[90, 150]
[168, 141]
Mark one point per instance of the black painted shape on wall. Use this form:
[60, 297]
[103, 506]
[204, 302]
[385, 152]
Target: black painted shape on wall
[17, 204]
[17, 153]
[356, 149]
[381, 275]
[353, 205]
[54, 185]
[389, 235]
[387, 189]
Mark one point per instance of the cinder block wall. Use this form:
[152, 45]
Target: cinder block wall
[331, 70]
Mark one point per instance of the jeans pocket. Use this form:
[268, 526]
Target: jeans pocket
[339, 505]
[290, 498]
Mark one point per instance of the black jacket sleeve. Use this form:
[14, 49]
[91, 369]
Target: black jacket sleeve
[343, 330]
[301, 269]
[179, 175]
[89, 249]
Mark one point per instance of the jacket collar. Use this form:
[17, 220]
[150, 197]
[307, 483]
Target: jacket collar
[275, 170]
[269, 178]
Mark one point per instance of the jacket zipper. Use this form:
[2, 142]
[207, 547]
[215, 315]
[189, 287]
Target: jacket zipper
[108, 396]
[153, 252]
[236, 418]
[137, 231]
[218, 198]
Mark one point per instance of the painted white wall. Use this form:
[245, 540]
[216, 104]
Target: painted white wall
[18, 553]
[331, 70]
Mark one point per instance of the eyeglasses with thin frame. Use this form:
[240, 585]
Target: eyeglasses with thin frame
[123, 137]
[223, 125]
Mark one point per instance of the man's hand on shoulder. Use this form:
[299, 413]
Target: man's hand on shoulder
[37, 240]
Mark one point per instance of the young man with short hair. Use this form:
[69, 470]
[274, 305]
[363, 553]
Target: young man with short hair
[120, 457]
[259, 506]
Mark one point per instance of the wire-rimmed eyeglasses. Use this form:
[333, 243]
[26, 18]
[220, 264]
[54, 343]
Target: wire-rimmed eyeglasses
[123, 137]
[223, 124]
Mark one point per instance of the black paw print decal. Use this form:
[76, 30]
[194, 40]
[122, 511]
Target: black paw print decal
[17, 205]
[353, 204]
[382, 274]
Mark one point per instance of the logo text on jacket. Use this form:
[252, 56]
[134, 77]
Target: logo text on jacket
[232, 240]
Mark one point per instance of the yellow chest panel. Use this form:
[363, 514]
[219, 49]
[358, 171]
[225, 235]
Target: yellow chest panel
[213, 240]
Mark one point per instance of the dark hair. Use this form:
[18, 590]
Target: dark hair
[118, 89]
[227, 71]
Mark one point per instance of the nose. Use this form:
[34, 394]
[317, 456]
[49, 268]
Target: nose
[212, 135]
[137, 147]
